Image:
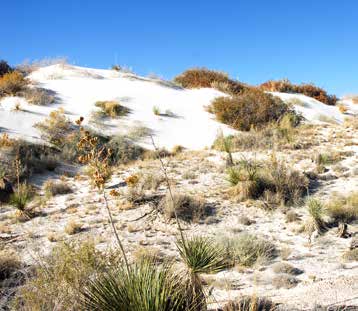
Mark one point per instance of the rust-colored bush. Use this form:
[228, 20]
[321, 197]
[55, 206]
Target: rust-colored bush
[202, 77]
[251, 108]
[12, 83]
[308, 89]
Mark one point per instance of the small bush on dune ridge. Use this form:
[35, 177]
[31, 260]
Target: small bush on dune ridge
[12, 83]
[310, 90]
[4, 68]
[205, 78]
[251, 108]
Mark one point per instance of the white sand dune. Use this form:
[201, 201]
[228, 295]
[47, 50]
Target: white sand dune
[79, 88]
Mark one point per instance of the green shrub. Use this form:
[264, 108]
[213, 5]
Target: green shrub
[248, 250]
[205, 78]
[310, 90]
[251, 108]
[12, 83]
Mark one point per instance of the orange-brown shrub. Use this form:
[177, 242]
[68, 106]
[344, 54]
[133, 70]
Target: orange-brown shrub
[11, 83]
[203, 77]
[251, 108]
[308, 89]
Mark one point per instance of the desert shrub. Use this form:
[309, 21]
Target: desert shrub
[55, 128]
[284, 281]
[124, 150]
[9, 264]
[38, 96]
[202, 77]
[4, 68]
[351, 255]
[251, 108]
[186, 207]
[20, 199]
[273, 181]
[73, 227]
[247, 250]
[291, 216]
[286, 268]
[156, 110]
[250, 303]
[57, 282]
[53, 188]
[308, 89]
[12, 83]
[111, 109]
[343, 209]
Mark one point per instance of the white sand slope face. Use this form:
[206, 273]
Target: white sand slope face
[313, 110]
[79, 88]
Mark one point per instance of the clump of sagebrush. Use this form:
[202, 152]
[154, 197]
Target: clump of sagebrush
[12, 83]
[57, 282]
[52, 188]
[111, 109]
[310, 89]
[247, 250]
[251, 108]
[205, 78]
[273, 181]
[185, 207]
[343, 209]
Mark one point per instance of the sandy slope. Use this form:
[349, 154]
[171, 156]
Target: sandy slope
[78, 89]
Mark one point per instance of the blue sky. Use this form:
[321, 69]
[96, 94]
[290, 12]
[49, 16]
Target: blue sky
[303, 40]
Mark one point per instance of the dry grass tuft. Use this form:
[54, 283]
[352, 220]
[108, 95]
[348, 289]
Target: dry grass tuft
[53, 188]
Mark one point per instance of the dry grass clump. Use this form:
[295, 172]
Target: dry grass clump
[284, 267]
[351, 122]
[250, 303]
[343, 209]
[111, 109]
[284, 281]
[53, 188]
[248, 250]
[351, 255]
[273, 181]
[38, 96]
[186, 207]
[251, 108]
[9, 264]
[12, 83]
[202, 77]
[309, 89]
[282, 134]
[124, 150]
[291, 216]
[57, 282]
[73, 227]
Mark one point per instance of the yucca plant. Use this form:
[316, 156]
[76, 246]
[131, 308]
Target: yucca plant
[200, 255]
[316, 211]
[146, 287]
[20, 199]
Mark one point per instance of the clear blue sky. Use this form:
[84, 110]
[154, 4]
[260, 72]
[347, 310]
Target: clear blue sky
[254, 40]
